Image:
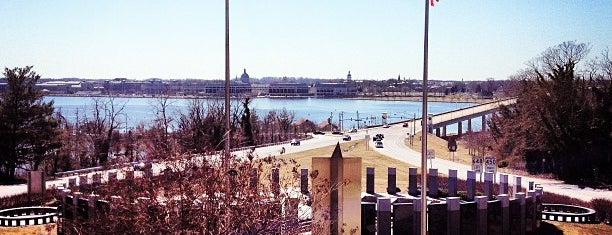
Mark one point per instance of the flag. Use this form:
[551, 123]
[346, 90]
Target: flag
[432, 2]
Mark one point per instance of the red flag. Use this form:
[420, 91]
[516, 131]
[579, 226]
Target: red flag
[432, 2]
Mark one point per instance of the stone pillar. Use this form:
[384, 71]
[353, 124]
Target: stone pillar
[517, 184]
[481, 215]
[484, 122]
[438, 132]
[503, 184]
[505, 213]
[459, 128]
[521, 198]
[75, 205]
[469, 122]
[275, 178]
[530, 211]
[370, 180]
[453, 221]
[83, 182]
[112, 176]
[488, 184]
[129, 175]
[433, 182]
[72, 182]
[368, 218]
[384, 216]
[444, 130]
[304, 181]
[91, 206]
[471, 185]
[530, 185]
[96, 179]
[402, 218]
[412, 181]
[416, 215]
[452, 183]
[391, 181]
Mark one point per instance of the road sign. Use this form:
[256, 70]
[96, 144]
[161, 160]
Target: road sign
[431, 154]
[477, 164]
[490, 164]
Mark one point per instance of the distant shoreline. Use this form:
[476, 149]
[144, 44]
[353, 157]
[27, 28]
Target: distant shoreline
[448, 99]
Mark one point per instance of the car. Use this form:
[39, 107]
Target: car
[405, 124]
[386, 126]
[379, 144]
[380, 136]
[295, 142]
[318, 133]
[353, 130]
[337, 132]
[346, 138]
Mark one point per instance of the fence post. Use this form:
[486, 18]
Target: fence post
[481, 214]
[72, 182]
[112, 176]
[505, 212]
[391, 181]
[452, 183]
[368, 218]
[254, 177]
[370, 180]
[384, 216]
[416, 216]
[83, 183]
[129, 175]
[454, 215]
[521, 197]
[517, 184]
[412, 181]
[530, 208]
[275, 181]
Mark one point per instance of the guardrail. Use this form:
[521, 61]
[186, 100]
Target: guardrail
[27, 216]
[568, 213]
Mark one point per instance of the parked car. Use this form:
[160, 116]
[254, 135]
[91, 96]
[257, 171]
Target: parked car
[346, 138]
[405, 124]
[379, 144]
[353, 130]
[380, 136]
[295, 142]
[386, 126]
[336, 132]
[318, 133]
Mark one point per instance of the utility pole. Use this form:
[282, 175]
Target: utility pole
[424, 127]
[226, 156]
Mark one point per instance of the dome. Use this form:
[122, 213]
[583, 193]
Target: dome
[244, 77]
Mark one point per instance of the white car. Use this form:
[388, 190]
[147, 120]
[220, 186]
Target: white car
[379, 144]
[386, 126]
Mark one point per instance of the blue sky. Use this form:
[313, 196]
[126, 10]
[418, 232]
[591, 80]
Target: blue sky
[469, 39]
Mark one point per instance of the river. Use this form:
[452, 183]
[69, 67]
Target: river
[141, 110]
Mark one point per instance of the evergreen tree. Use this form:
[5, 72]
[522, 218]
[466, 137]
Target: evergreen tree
[28, 130]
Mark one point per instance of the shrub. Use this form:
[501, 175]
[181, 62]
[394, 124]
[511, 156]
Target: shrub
[604, 209]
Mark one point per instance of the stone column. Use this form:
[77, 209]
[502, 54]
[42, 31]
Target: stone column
[488, 184]
[444, 130]
[517, 184]
[438, 132]
[459, 128]
[505, 212]
[368, 218]
[454, 216]
[83, 182]
[75, 205]
[391, 181]
[452, 183]
[433, 182]
[384, 216]
[304, 181]
[521, 198]
[370, 180]
[530, 185]
[530, 211]
[412, 181]
[402, 218]
[96, 179]
[469, 122]
[484, 122]
[416, 215]
[471, 185]
[503, 184]
[275, 178]
[481, 214]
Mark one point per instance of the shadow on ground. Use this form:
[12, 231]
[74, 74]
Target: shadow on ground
[549, 229]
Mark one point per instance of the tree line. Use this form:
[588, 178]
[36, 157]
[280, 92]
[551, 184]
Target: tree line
[562, 120]
[33, 135]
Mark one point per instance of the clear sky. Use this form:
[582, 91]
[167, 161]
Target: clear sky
[469, 39]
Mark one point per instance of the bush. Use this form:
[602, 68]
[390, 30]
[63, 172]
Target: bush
[22, 200]
[604, 209]
[553, 198]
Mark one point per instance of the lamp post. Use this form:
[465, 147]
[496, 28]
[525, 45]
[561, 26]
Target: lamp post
[226, 156]
[424, 126]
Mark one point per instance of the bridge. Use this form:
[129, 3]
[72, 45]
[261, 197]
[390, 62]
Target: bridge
[442, 120]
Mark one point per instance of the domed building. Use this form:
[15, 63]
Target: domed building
[245, 77]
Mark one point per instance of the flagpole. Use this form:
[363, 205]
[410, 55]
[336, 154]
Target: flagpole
[226, 156]
[424, 130]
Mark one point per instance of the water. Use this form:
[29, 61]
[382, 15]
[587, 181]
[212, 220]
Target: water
[142, 110]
